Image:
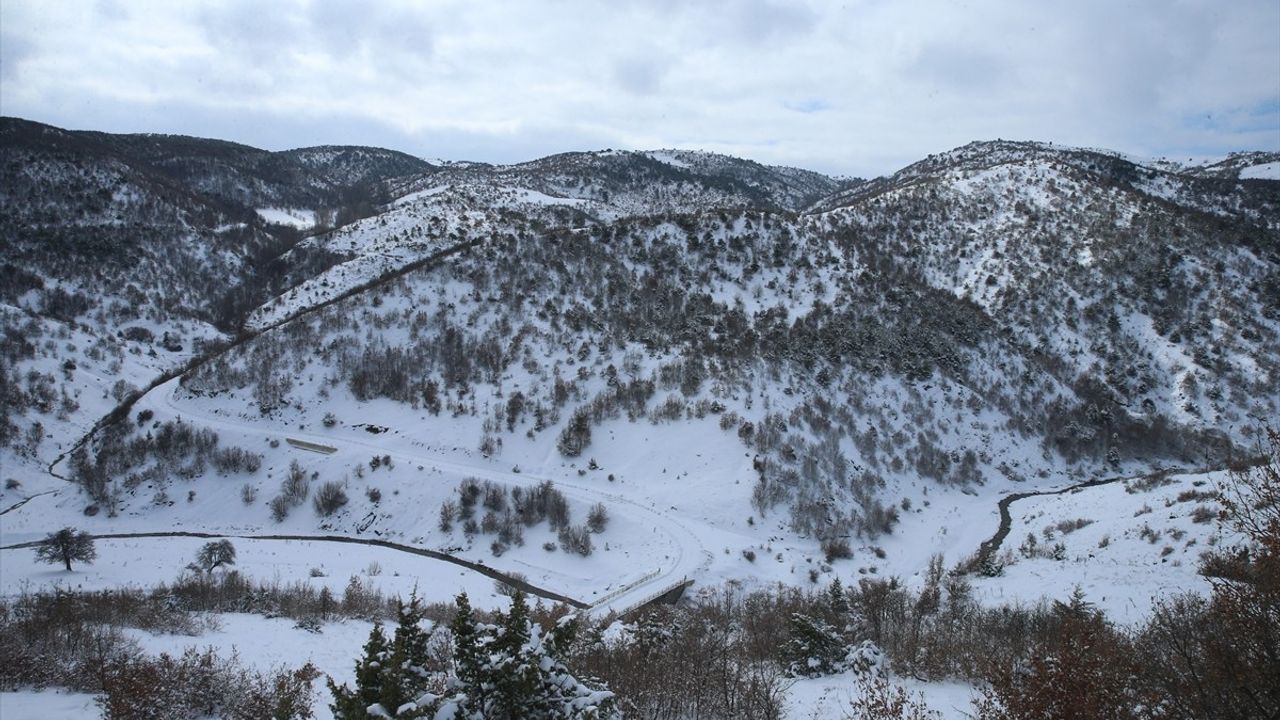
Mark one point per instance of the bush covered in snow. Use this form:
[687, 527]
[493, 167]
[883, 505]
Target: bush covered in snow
[505, 669]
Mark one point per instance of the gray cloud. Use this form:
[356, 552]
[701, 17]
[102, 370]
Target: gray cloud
[763, 21]
[347, 27]
[248, 29]
[14, 49]
[856, 86]
[956, 68]
[640, 75]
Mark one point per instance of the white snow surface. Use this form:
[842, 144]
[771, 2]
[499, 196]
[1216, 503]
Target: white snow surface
[1151, 549]
[830, 698]
[1263, 171]
[147, 562]
[293, 217]
[49, 704]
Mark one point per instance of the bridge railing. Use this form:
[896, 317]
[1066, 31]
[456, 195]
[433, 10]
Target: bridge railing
[626, 588]
[651, 597]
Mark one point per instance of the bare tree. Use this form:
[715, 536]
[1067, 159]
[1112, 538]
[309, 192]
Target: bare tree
[215, 553]
[66, 545]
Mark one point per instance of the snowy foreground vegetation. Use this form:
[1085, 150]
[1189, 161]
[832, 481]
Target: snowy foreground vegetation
[727, 654]
[338, 432]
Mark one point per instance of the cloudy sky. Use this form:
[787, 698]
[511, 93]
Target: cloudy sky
[858, 87]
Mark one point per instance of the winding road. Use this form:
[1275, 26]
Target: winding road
[686, 556]
[524, 585]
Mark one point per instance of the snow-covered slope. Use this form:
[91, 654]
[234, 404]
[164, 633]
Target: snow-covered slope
[757, 375]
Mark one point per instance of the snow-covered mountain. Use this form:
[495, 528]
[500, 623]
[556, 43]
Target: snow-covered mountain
[617, 182]
[768, 352]
[603, 375]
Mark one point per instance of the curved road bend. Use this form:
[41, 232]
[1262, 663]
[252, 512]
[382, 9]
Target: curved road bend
[518, 583]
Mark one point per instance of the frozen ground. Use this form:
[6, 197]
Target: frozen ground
[1134, 545]
[146, 562]
[293, 217]
[47, 705]
[829, 698]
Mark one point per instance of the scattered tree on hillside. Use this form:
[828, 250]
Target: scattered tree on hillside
[576, 435]
[66, 545]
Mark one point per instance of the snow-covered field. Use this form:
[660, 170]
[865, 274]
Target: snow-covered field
[52, 704]
[1121, 577]
[1134, 546]
[146, 562]
[1262, 171]
[830, 698]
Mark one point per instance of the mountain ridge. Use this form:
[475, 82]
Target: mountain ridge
[1002, 316]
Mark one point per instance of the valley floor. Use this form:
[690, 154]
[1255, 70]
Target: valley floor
[1124, 544]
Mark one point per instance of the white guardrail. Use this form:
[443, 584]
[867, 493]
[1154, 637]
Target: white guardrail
[655, 595]
[313, 447]
[626, 588]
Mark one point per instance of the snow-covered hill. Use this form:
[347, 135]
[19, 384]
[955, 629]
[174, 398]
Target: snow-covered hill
[762, 375]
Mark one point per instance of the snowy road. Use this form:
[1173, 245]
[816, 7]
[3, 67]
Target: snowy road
[482, 569]
[685, 558]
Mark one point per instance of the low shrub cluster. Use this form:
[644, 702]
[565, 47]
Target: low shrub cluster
[507, 512]
[77, 640]
[173, 448]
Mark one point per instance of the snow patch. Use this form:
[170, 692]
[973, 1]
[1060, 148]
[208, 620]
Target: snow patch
[1264, 171]
[293, 217]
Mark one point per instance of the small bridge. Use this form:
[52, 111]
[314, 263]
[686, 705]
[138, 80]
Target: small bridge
[666, 594]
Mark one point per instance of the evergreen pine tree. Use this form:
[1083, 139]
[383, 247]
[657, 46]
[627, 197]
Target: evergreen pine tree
[369, 670]
[404, 675]
[468, 681]
[836, 600]
[353, 704]
[506, 671]
[515, 669]
[392, 677]
[814, 648]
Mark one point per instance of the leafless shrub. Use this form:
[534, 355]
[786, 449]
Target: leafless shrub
[598, 518]
[279, 508]
[329, 498]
